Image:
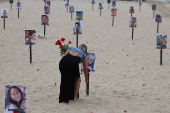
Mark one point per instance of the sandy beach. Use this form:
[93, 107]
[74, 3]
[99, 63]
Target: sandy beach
[130, 93]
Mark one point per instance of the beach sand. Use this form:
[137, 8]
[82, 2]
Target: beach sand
[129, 95]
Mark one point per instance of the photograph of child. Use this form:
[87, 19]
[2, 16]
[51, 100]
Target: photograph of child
[18, 5]
[132, 9]
[71, 9]
[91, 62]
[46, 9]
[45, 20]
[93, 2]
[30, 37]
[66, 2]
[140, 2]
[11, 1]
[133, 22]
[79, 15]
[153, 7]
[4, 13]
[77, 28]
[108, 1]
[15, 98]
[113, 3]
[100, 5]
[47, 2]
[161, 41]
[158, 18]
[113, 11]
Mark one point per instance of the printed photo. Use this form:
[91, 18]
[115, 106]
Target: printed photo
[140, 2]
[114, 3]
[161, 41]
[91, 62]
[113, 11]
[66, 2]
[15, 99]
[77, 28]
[158, 18]
[46, 9]
[100, 5]
[93, 2]
[153, 7]
[133, 22]
[45, 20]
[108, 1]
[4, 13]
[71, 9]
[11, 1]
[132, 9]
[30, 37]
[47, 2]
[18, 5]
[79, 15]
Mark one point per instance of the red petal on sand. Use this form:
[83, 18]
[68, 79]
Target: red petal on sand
[124, 75]
[113, 91]
[96, 36]
[107, 63]
[38, 69]
[55, 83]
[127, 55]
[81, 73]
[22, 54]
[168, 48]
[86, 42]
[143, 84]
[67, 103]
[123, 49]
[166, 53]
[142, 68]
[73, 38]
[125, 111]
[133, 43]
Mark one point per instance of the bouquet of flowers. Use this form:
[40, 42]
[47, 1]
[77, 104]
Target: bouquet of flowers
[63, 47]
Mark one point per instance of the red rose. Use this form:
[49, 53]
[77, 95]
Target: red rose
[88, 70]
[58, 42]
[69, 42]
[62, 39]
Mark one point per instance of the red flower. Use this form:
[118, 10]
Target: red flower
[58, 42]
[88, 70]
[69, 42]
[62, 39]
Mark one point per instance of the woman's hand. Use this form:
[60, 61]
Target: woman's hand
[23, 105]
[86, 80]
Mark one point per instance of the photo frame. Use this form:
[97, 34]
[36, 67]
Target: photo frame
[19, 5]
[131, 9]
[66, 2]
[92, 1]
[46, 9]
[108, 1]
[30, 37]
[161, 41]
[113, 3]
[158, 18]
[113, 12]
[45, 20]
[100, 5]
[140, 2]
[79, 15]
[4, 13]
[153, 7]
[71, 9]
[133, 22]
[77, 28]
[11, 1]
[47, 2]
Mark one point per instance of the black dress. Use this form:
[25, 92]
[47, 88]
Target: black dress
[69, 69]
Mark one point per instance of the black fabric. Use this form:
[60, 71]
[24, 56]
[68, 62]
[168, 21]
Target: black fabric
[69, 69]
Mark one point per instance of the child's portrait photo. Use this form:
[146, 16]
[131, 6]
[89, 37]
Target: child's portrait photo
[131, 9]
[91, 62]
[11, 1]
[113, 11]
[18, 5]
[71, 9]
[47, 2]
[113, 3]
[108, 1]
[15, 99]
[46, 9]
[140, 2]
[100, 5]
[133, 22]
[161, 41]
[153, 7]
[4, 13]
[93, 2]
[66, 2]
[77, 28]
[79, 15]
[158, 18]
[45, 20]
[30, 37]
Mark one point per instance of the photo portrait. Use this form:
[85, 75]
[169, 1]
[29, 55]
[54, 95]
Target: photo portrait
[30, 37]
[46, 9]
[47, 2]
[133, 22]
[18, 5]
[108, 1]
[153, 7]
[93, 2]
[4, 13]
[11, 1]
[100, 5]
[66, 2]
[131, 9]
[158, 18]
[15, 98]
[113, 3]
[71, 9]
[113, 11]
[161, 41]
[140, 2]
[79, 15]
[91, 62]
[77, 28]
[45, 20]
